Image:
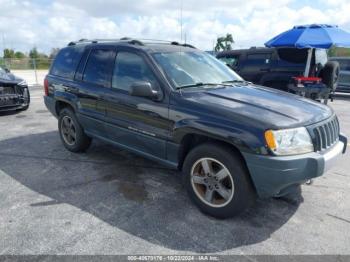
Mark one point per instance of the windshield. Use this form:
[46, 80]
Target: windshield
[3, 74]
[194, 69]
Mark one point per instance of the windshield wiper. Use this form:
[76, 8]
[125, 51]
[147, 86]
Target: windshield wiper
[200, 84]
[235, 81]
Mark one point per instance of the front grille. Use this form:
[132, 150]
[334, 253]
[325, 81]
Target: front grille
[326, 134]
[5, 90]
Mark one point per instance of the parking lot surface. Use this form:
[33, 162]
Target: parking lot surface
[109, 201]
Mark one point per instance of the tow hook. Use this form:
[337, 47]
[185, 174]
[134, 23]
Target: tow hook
[309, 182]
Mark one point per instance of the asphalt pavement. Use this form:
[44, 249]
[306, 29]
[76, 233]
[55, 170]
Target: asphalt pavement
[109, 201]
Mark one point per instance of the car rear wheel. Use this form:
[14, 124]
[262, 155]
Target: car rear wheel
[71, 132]
[217, 181]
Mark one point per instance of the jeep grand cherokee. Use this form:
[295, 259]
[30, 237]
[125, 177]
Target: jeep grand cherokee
[179, 106]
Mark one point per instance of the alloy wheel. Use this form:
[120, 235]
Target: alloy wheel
[212, 182]
[68, 130]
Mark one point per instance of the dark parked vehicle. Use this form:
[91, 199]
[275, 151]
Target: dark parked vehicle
[276, 67]
[14, 92]
[344, 76]
[182, 107]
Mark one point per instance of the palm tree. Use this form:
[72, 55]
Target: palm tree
[224, 43]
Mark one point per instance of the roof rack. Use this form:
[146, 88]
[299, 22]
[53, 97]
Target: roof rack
[257, 47]
[129, 40]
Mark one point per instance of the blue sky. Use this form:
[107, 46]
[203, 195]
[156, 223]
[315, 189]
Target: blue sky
[47, 23]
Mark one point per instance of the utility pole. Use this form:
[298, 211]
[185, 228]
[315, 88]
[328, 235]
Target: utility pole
[3, 43]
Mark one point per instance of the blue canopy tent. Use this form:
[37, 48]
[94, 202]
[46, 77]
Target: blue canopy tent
[311, 36]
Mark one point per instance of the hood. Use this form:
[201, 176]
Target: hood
[270, 107]
[9, 78]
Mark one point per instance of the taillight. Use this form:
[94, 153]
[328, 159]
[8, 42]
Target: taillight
[307, 80]
[46, 87]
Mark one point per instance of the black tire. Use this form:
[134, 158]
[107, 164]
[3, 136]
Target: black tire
[330, 74]
[243, 191]
[81, 141]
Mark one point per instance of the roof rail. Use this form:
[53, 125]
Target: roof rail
[100, 40]
[129, 40]
[156, 41]
[257, 47]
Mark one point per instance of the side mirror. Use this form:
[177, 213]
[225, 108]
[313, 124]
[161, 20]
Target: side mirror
[143, 89]
[7, 70]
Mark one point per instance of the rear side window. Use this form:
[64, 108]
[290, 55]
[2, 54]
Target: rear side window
[66, 62]
[98, 69]
[259, 58]
[293, 55]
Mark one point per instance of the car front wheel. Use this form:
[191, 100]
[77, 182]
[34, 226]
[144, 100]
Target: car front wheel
[217, 181]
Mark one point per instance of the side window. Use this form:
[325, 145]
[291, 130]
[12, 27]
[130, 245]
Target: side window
[292, 55]
[98, 69]
[130, 68]
[343, 63]
[230, 60]
[66, 62]
[258, 59]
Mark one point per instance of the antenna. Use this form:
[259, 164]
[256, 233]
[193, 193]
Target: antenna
[181, 7]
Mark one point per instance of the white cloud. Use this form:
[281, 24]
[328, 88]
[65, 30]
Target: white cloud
[251, 22]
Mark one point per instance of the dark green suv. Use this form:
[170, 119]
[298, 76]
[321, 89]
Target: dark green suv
[179, 106]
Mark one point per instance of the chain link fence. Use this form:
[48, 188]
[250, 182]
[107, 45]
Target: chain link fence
[29, 69]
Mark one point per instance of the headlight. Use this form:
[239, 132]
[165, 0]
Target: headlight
[289, 141]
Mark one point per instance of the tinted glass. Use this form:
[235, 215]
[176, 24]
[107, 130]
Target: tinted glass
[188, 68]
[293, 55]
[130, 68]
[229, 60]
[344, 78]
[256, 56]
[257, 59]
[66, 62]
[344, 64]
[99, 67]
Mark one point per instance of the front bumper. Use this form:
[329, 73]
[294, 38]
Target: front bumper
[273, 176]
[14, 101]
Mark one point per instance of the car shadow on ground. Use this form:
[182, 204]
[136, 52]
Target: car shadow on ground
[10, 112]
[134, 194]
